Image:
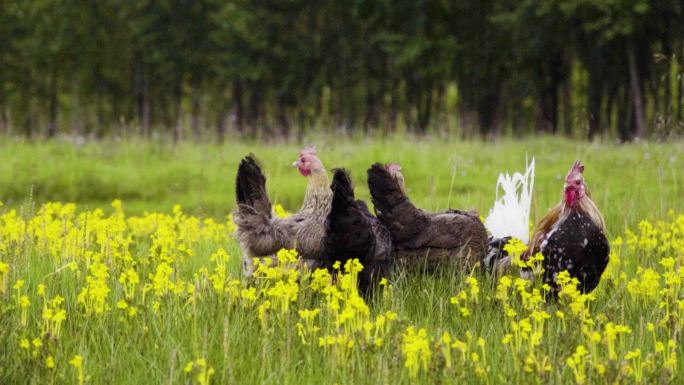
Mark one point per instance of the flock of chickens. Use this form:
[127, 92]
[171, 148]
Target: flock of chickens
[333, 226]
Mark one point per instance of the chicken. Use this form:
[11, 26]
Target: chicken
[261, 234]
[421, 238]
[353, 232]
[571, 236]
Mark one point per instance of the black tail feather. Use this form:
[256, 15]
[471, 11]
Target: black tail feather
[343, 191]
[384, 189]
[404, 220]
[348, 234]
[353, 232]
[250, 185]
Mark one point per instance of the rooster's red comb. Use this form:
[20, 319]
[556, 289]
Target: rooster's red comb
[575, 171]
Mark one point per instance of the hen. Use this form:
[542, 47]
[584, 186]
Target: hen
[261, 234]
[571, 236]
[421, 238]
[353, 232]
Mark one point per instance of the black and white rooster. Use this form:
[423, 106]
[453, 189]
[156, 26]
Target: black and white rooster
[571, 236]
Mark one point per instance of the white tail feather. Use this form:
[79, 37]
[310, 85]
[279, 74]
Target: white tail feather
[511, 212]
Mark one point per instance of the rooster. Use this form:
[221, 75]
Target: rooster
[261, 234]
[353, 232]
[422, 238]
[571, 236]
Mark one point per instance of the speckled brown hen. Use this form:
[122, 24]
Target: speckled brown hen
[421, 238]
[262, 234]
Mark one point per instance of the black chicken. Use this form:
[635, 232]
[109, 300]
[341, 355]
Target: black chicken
[353, 232]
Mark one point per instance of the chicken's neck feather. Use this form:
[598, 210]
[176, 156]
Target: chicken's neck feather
[589, 209]
[557, 215]
[318, 196]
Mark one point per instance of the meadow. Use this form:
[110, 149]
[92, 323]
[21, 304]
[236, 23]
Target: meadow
[118, 265]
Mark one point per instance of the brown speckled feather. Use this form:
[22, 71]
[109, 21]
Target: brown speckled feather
[432, 238]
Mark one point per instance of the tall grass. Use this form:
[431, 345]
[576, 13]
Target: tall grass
[629, 183]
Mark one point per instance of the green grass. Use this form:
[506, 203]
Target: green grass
[628, 182]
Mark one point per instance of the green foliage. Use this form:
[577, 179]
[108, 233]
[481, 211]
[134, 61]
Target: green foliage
[266, 68]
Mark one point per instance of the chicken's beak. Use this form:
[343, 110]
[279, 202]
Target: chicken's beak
[295, 163]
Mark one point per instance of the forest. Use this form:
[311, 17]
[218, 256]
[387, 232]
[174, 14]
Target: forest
[203, 70]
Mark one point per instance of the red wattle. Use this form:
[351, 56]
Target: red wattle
[304, 171]
[569, 197]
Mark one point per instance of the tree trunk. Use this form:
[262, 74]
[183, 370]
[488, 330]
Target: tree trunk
[143, 100]
[567, 108]
[99, 130]
[594, 103]
[146, 125]
[680, 83]
[283, 122]
[409, 103]
[254, 111]
[513, 115]
[669, 57]
[221, 125]
[612, 94]
[425, 107]
[542, 113]
[486, 114]
[194, 113]
[625, 120]
[76, 119]
[238, 111]
[371, 119]
[553, 105]
[654, 86]
[3, 118]
[52, 124]
[392, 125]
[26, 109]
[166, 114]
[635, 90]
[178, 128]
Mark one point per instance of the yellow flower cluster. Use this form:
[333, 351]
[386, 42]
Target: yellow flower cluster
[349, 321]
[90, 250]
[65, 274]
[470, 353]
[200, 371]
[415, 346]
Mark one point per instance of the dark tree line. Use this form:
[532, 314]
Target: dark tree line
[207, 68]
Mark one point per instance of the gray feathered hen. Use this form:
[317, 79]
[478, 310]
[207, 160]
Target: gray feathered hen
[262, 234]
[353, 232]
[419, 237]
